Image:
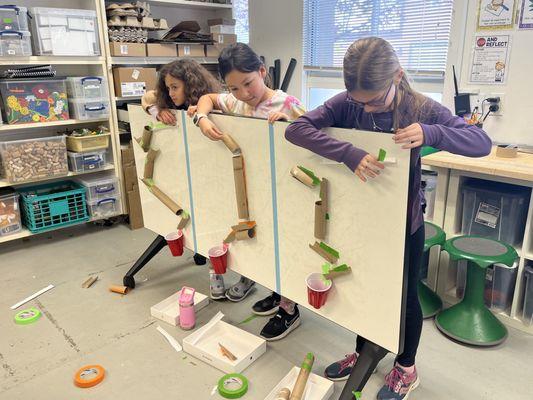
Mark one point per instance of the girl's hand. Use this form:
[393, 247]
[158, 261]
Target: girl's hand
[412, 136]
[191, 110]
[209, 129]
[277, 116]
[167, 117]
[368, 167]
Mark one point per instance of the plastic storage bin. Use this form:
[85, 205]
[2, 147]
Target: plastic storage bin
[64, 32]
[527, 312]
[80, 144]
[34, 100]
[10, 221]
[13, 18]
[89, 108]
[15, 43]
[87, 87]
[495, 210]
[53, 205]
[100, 187]
[104, 208]
[83, 162]
[429, 187]
[31, 159]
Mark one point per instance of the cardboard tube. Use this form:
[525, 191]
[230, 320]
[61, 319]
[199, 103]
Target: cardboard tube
[244, 226]
[324, 194]
[320, 221]
[149, 163]
[119, 289]
[302, 176]
[231, 144]
[146, 138]
[283, 394]
[185, 218]
[167, 201]
[322, 253]
[303, 376]
[240, 186]
[244, 235]
[334, 274]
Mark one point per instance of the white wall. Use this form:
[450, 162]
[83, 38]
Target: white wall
[514, 126]
[276, 31]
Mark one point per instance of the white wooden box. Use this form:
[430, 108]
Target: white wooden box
[203, 344]
[317, 388]
[168, 310]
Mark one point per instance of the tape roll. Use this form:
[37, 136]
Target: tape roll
[89, 376]
[232, 386]
[27, 316]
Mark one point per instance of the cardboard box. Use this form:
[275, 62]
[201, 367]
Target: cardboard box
[161, 50]
[131, 82]
[122, 49]
[317, 387]
[168, 310]
[128, 157]
[226, 29]
[135, 211]
[221, 21]
[191, 50]
[213, 50]
[224, 38]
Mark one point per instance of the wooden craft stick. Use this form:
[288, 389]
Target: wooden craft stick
[320, 221]
[88, 283]
[231, 144]
[230, 238]
[240, 186]
[119, 289]
[167, 201]
[322, 253]
[225, 352]
[302, 176]
[149, 163]
[185, 218]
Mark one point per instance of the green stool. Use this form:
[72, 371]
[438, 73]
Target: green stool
[429, 300]
[470, 321]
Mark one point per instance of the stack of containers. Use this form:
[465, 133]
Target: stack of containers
[15, 38]
[10, 221]
[88, 100]
[103, 195]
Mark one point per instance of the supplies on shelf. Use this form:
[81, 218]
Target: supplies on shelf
[88, 97]
[83, 140]
[13, 18]
[34, 71]
[87, 161]
[64, 32]
[15, 43]
[34, 100]
[30, 159]
[103, 194]
[10, 221]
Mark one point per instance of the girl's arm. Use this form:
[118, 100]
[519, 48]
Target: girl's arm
[206, 104]
[148, 99]
[148, 103]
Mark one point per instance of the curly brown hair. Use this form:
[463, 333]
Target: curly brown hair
[198, 81]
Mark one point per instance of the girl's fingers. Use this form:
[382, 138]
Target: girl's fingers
[360, 175]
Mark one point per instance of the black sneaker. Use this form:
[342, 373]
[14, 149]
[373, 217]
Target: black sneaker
[268, 306]
[281, 325]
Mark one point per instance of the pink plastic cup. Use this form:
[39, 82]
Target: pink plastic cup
[317, 289]
[219, 258]
[175, 243]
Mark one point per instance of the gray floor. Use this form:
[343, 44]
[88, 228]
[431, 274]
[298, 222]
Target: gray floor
[84, 326]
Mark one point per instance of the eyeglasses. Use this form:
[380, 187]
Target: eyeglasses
[373, 103]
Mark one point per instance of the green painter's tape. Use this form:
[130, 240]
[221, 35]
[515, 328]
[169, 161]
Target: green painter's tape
[310, 174]
[330, 250]
[382, 154]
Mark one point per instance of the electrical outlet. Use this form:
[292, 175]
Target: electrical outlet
[476, 100]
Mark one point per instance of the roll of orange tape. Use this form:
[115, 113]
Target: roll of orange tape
[89, 376]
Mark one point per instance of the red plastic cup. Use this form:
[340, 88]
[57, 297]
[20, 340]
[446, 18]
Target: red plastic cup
[317, 289]
[219, 258]
[175, 243]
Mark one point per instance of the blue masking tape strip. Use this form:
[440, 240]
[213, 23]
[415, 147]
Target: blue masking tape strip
[274, 204]
[189, 179]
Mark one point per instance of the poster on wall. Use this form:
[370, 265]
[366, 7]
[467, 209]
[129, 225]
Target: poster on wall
[526, 15]
[490, 61]
[495, 14]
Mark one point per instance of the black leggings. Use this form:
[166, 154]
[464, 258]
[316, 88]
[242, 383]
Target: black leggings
[413, 312]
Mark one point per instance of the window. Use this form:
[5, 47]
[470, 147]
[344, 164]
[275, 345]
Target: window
[240, 12]
[419, 30]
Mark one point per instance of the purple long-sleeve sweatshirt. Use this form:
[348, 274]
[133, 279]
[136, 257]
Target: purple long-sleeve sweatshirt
[442, 130]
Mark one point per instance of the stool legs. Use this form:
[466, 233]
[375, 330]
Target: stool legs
[430, 301]
[470, 321]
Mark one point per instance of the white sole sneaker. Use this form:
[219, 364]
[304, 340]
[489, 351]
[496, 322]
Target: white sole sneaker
[235, 300]
[265, 313]
[294, 325]
[413, 387]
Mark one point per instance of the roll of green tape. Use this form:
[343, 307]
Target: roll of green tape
[232, 386]
[27, 316]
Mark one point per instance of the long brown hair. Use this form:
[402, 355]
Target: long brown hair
[371, 64]
[197, 81]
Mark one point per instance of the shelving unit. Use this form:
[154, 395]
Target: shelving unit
[452, 170]
[156, 60]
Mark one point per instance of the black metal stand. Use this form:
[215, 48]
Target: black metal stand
[154, 248]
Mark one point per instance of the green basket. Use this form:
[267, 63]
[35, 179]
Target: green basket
[53, 205]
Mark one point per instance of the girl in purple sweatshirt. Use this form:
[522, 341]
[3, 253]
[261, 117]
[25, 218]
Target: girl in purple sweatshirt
[378, 98]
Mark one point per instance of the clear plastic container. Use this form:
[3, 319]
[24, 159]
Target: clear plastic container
[500, 282]
[9, 212]
[64, 32]
[495, 210]
[104, 208]
[34, 100]
[89, 108]
[15, 43]
[31, 159]
[87, 87]
[83, 162]
[13, 18]
[429, 187]
[100, 187]
[527, 313]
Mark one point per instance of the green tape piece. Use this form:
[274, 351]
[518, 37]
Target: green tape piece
[28, 316]
[246, 320]
[326, 268]
[158, 125]
[226, 383]
[330, 250]
[327, 216]
[382, 154]
[185, 214]
[340, 268]
[357, 395]
[310, 174]
[308, 361]
[150, 182]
